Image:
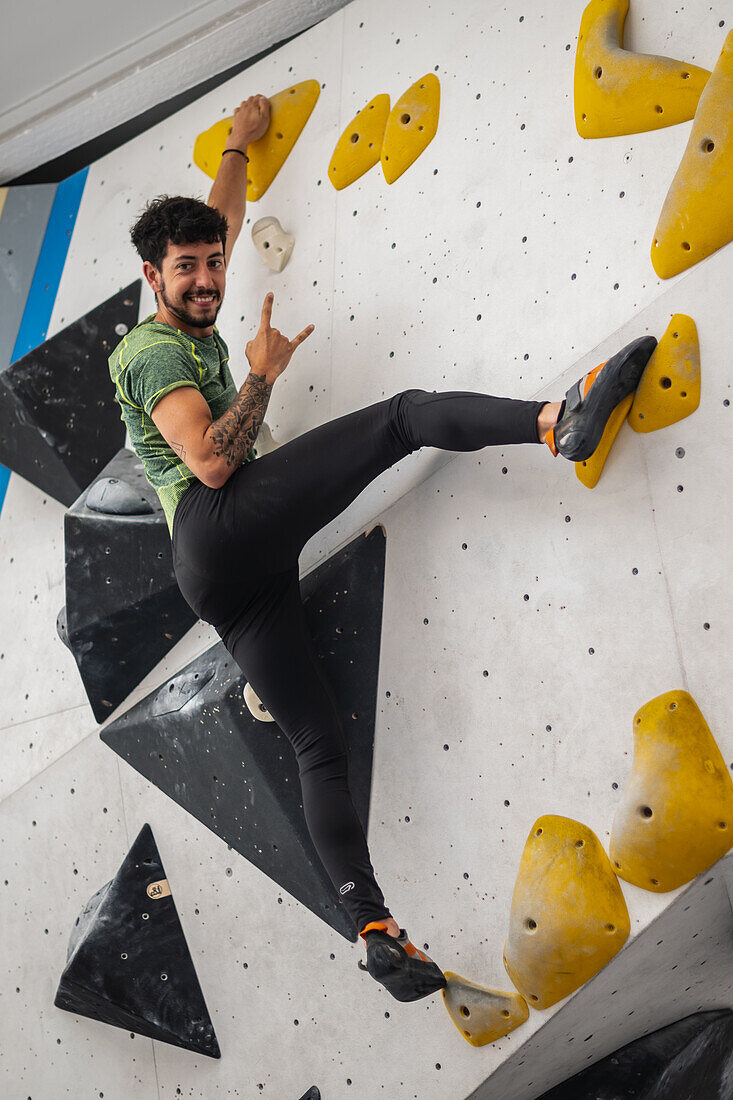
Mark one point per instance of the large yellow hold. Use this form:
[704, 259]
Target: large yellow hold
[411, 126]
[482, 1015]
[619, 92]
[360, 146]
[697, 216]
[289, 112]
[568, 915]
[669, 389]
[676, 818]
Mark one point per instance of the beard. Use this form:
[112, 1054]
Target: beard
[201, 318]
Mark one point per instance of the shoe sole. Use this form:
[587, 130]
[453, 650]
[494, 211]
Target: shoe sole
[581, 431]
[407, 979]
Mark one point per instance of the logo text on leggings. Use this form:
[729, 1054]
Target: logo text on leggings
[346, 887]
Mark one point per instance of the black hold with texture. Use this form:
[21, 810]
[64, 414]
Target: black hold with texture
[128, 962]
[59, 420]
[123, 607]
[195, 739]
[691, 1059]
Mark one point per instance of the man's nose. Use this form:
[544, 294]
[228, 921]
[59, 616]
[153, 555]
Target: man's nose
[205, 279]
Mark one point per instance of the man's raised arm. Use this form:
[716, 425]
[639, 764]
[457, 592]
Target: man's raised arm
[229, 192]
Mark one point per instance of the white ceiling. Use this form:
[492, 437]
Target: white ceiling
[71, 72]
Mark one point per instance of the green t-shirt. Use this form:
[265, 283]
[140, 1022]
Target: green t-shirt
[148, 363]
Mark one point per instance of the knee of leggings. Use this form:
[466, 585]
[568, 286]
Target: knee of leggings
[402, 418]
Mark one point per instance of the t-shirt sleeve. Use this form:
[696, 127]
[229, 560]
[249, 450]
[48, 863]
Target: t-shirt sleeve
[157, 369]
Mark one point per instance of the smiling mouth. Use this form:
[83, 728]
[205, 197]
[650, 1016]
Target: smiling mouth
[203, 300]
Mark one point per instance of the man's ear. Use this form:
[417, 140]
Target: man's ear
[152, 275]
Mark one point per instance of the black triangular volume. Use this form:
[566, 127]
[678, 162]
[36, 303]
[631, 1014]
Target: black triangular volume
[124, 610]
[195, 739]
[687, 1060]
[313, 1093]
[59, 420]
[128, 962]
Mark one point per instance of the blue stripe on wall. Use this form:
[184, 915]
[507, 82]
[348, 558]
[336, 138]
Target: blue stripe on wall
[47, 276]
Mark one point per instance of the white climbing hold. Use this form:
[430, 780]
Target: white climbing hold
[264, 443]
[272, 242]
[256, 708]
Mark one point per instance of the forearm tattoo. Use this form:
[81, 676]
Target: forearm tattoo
[234, 433]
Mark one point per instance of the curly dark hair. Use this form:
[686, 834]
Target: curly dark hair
[179, 220]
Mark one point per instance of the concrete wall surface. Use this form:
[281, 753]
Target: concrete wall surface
[526, 618]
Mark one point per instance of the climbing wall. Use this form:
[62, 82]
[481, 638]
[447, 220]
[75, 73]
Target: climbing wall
[525, 619]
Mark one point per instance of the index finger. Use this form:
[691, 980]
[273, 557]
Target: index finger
[267, 310]
[301, 337]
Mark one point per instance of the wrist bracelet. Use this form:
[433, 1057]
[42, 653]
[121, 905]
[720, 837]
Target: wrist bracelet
[237, 151]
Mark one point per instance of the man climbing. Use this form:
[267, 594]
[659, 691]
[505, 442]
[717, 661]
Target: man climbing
[238, 525]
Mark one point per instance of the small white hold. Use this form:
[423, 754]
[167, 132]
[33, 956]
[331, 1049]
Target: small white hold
[272, 242]
[255, 707]
[121, 329]
[264, 443]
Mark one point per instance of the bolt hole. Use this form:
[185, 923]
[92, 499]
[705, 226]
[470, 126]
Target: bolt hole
[597, 73]
[654, 881]
[405, 119]
[686, 246]
[646, 811]
[708, 146]
[672, 706]
[505, 1013]
[722, 824]
[530, 925]
[610, 928]
[685, 76]
[683, 393]
[354, 139]
[659, 109]
[665, 383]
[579, 843]
[538, 832]
[464, 1011]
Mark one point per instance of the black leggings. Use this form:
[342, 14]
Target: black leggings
[235, 554]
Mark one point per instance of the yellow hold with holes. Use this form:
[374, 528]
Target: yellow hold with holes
[619, 92]
[669, 389]
[482, 1015]
[590, 469]
[360, 146]
[568, 915]
[411, 126]
[676, 817]
[697, 216]
[289, 112]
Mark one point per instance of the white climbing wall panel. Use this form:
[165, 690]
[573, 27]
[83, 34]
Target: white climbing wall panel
[526, 618]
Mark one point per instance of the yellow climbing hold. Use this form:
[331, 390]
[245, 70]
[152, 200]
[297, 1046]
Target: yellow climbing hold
[3, 197]
[697, 216]
[676, 817]
[360, 146]
[590, 469]
[619, 92]
[482, 1015]
[411, 126]
[289, 112]
[568, 915]
[669, 389]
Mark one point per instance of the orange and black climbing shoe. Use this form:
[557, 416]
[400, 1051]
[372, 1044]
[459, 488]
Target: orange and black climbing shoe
[590, 402]
[404, 971]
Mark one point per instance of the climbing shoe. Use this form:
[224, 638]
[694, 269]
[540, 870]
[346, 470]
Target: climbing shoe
[590, 402]
[404, 971]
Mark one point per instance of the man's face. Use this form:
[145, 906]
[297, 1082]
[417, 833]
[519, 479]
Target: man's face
[190, 283]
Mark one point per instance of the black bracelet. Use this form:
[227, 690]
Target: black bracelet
[237, 151]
